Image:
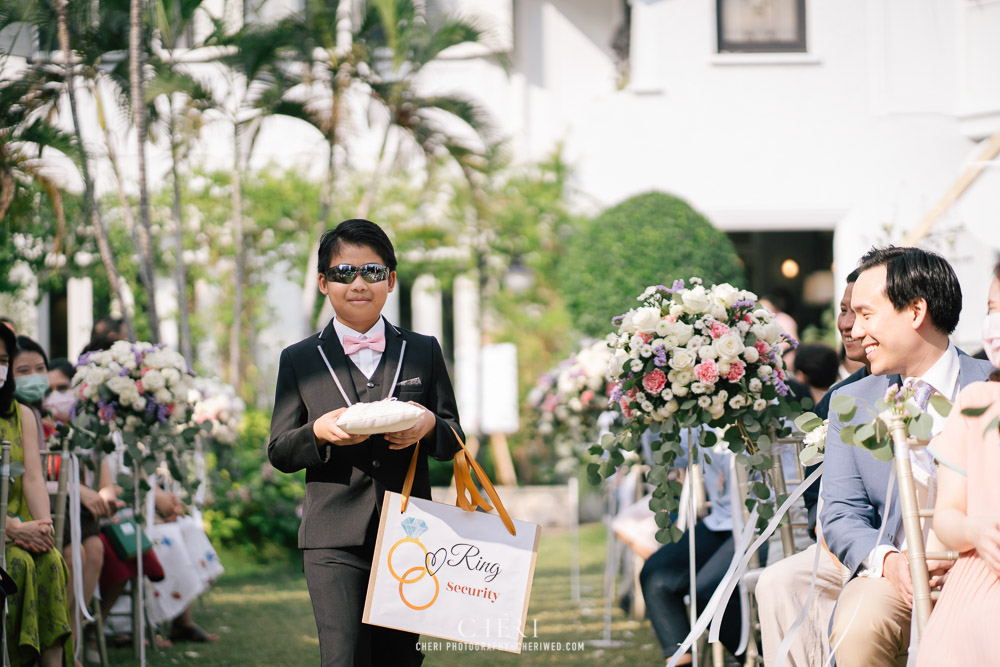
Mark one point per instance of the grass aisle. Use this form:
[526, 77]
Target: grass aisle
[263, 616]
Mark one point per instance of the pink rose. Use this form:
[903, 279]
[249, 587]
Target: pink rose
[655, 381]
[587, 396]
[719, 329]
[762, 347]
[550, 403]
[623, 401]
[737, 370]
[707, 371]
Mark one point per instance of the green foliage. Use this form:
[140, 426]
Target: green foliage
[256, 507]
[646, 240]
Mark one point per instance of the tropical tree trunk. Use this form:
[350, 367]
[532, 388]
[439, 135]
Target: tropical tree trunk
[179, 273]
[147, 271]
[235, 332]
[104, 248]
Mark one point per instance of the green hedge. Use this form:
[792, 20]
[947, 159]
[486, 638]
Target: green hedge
[650, 239]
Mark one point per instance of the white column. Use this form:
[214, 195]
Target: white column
[467, 350]
[427, 307]
[166, 308]
[79, 315]
[44, 315]
[391, 307]
[206, 351]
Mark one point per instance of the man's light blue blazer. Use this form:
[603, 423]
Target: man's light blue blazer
[854, 482]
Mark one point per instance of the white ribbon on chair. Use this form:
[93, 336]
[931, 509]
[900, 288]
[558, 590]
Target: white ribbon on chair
[76, 544]
[715, 608]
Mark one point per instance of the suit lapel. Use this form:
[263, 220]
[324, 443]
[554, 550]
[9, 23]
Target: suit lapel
[392, 357]
[338, 361]
[971, 370]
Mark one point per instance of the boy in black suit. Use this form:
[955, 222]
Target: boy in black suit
[359, 356]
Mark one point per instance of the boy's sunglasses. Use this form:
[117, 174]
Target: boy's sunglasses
[346, 273]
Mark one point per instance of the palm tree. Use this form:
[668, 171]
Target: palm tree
[104, 248]
[401, 42]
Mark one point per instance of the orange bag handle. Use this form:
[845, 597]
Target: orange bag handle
[465, 465]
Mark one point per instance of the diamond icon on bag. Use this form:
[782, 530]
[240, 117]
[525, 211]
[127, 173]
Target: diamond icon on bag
[414, 527]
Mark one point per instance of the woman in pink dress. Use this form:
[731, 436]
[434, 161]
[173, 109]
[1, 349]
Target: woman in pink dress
[962, 629]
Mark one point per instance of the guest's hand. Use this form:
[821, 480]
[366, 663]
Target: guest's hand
[168, 506]
[984, 534]
[34, 536]
[110, 494]
[896, 568]
[326, 430]
[412, 435]
[938, 571]
[95, 502]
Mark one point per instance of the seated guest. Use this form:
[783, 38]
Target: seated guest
[37, 624]
[665, 578]
[30, 368]
[967, 519]
[783, 587]
[907, 302]
[60, 400]
[817, 366]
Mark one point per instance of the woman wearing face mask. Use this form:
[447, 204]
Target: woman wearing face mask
[60, 400]
[32, 372]
[38, 615]
[967, 517]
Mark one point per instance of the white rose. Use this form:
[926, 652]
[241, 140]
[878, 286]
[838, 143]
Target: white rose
[628, 326]
[663, 327]
[726, 293]
[755, 386]
[658, 342]
[695, 300]
[764, 371]
[704, 401]
[681, 359]
[636, 341]
[758, 331]
[718, 311]
[676, 309]
[761, 315]
[700, 388]
[679, 390]
[119, 384]
[139, 403]
[772, 333]
[617, 363]
[683, 332]
[724, 367]
[751, 354]
[716, 410]
[635, 365]
[737, 402]
[671, 406]
[707, 352]
[172, 376]
[759, 405]
[729, 345]
[153, 380]
[722, 396]
[645, 319]
[163, 396]
[684, 377]
[743, 327]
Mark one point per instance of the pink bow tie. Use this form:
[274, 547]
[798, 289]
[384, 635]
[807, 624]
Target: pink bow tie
[354, 344]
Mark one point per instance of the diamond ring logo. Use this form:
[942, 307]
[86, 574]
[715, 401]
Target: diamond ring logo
[413, 528]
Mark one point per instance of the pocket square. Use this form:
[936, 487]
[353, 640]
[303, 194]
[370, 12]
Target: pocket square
[412, 383]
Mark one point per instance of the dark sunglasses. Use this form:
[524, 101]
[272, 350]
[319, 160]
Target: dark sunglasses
[346, 273]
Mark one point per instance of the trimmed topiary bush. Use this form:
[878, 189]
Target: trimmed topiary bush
[650, 239]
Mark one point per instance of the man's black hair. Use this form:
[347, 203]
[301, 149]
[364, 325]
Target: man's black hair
[7, 390]
[852, 277]
[25, 344]
[819, 363]
[914, 273]
[105, 326]
[355, 232]
[63, 365]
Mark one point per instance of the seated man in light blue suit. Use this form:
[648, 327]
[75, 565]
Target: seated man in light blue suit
[907, 302]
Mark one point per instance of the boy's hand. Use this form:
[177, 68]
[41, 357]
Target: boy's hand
[412, 435]
[326, 430]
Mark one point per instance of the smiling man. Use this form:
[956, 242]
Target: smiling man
[907, 302]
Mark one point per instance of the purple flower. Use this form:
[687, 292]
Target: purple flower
[617, 320]
[660, 356]
[744, 304]
[123, 372]
[678, 286]
[162, 413]
[84, 359]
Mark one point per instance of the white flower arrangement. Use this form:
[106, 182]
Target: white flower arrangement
[216, 403]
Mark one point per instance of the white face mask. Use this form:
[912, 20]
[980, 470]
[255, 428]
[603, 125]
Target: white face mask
[3, 375]
[991, 338]
[59, 403]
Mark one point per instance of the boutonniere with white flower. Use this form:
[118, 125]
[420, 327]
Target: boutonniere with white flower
[814, 442]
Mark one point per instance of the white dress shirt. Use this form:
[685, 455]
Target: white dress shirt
[366, 359]
[943, 377]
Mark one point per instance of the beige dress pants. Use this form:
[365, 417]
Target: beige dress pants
[781, 593]
[879, 634]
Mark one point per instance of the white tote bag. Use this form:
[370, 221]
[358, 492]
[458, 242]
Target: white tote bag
[452, 572]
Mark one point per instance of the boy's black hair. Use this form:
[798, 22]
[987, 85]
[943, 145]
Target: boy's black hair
[25, 344]
[63, 365]
[355, 232]
[914, 273]
[852, 277]
[7, 390]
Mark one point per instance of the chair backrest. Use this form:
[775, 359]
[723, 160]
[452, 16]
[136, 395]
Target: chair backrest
[4, 493]
[59, 515]
[917, 554]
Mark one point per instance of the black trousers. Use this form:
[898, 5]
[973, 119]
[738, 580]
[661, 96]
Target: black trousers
[338, 583]
[665, 581]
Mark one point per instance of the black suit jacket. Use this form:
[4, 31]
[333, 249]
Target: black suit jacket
[346, 488]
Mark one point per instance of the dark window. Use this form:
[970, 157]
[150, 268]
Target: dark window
[761, 26]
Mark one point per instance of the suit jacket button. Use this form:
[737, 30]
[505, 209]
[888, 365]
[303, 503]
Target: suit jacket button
[371, 384]
[376, 463]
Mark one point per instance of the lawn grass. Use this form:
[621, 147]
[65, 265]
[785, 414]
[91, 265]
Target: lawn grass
[263, 616]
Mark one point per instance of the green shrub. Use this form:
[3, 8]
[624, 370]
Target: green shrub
[650, 239]
[256, 508]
